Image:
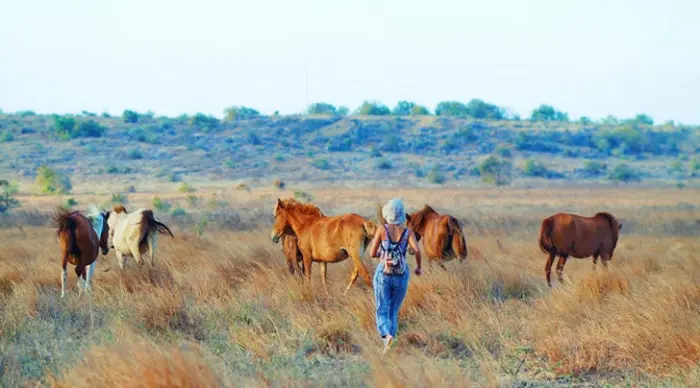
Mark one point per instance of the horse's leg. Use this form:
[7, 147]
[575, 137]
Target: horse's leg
[64, 275]
[595, 260]
[307, 267]
[90, 273]
[323, 265]
[353, 276]
[560, 267]
[360, 266]
[136, 253]
[152, 242]
[548, 269]
[121, 259]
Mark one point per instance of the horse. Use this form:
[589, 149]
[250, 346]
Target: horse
[324, 239]
[443, 239]
[290, 249]
[565, 234]
[135, 233]
[80, 240]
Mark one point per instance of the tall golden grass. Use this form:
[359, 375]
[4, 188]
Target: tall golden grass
[222, 310]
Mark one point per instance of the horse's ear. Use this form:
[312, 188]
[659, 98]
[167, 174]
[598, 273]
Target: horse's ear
[408, 217]
[619, 226]
[279, 203]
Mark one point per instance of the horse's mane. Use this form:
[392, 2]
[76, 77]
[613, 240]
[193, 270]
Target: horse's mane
[62, 218]
[303, 208]
[613, 225]
[418, 217]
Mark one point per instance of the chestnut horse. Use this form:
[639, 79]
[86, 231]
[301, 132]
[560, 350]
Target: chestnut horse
[290, 248]
[132, 234]
[565, 235]
[324, 239]
[443, 239]
[80, 240]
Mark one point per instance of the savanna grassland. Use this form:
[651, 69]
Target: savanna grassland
[220, 308]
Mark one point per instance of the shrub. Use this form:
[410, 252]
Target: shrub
[383, 164]
[186, 188]
[193, 200]
[7, 200]
[6, 137]
[504, 152]
[178, 212]
[321, 164]
[130, 116]
[536, 169]
[624, 173]
[278, 184]
[594, 168]
[160, 205]
[119, 198]
[375, 152]
[201, 226]
[89, 128]
[134, 154]
[243, 187]
[373, 108]
[239, 113]
[436, 177]
[496, 170]
[303, 196]
[70, 202]
[52, 182]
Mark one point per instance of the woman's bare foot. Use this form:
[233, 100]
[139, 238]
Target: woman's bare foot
[387, 343]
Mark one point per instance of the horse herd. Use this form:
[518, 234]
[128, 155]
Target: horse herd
[309, 236]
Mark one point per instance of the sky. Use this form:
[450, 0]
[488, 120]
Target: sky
[588, 58]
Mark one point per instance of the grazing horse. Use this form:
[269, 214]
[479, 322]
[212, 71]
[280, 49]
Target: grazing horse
[565, 235]
[443, 239]
[80, 239]
[324, 239]
[132, 234]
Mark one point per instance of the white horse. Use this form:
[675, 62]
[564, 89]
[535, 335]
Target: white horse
[133, 234]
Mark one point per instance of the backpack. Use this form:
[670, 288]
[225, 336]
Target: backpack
[396, 252]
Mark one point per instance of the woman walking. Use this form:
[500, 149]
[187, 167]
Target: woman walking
[392, 274]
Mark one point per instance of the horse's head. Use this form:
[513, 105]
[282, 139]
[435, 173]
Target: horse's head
[104, 236]
[281, 225]
[113, 217]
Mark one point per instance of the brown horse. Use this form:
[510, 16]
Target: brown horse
[324, 239]
[565, 235]
[80, 240]
[290, 248]
[443, 239]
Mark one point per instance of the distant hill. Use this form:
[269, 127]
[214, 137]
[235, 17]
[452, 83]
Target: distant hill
[419, 150]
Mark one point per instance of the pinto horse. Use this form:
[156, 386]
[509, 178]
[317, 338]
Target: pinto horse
[80, 240]
[135, 233]
[565, 235]
[443, 239]
[324, 239]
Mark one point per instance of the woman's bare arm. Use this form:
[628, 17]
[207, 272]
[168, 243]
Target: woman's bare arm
[375, 242]
[413, 243]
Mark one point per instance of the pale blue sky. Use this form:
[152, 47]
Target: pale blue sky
[590, 58]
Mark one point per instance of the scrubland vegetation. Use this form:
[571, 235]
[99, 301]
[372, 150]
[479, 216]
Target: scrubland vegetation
[221, 309]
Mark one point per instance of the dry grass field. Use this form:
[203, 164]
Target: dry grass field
[221, 309]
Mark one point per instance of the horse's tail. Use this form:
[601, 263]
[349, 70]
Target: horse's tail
[546, 241]
[369, 228]
[65, 231]
[151, 226]
[457, 241]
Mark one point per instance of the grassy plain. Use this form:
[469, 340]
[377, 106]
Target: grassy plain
[221, 309]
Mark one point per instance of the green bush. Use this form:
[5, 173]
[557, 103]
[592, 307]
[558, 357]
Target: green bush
[160, 205]
[70, 202]
[52, 182]
[624, 173]
[134, 154]
[178, 212]
[436, 177]
[496, 170]
[6, 137]
[7, 193]
[383, 164]
[321, 164]
[593, 168]
[186, 188]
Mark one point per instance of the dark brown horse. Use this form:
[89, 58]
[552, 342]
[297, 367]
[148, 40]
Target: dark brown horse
[290, 248]
[324, 239]
[443, 239]
[79, 243]
[565, 235]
